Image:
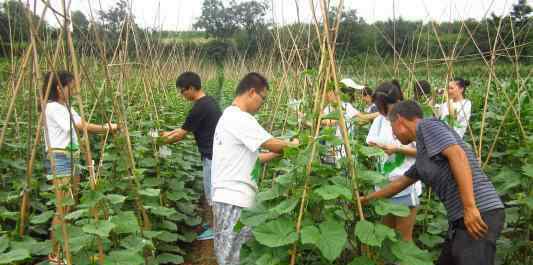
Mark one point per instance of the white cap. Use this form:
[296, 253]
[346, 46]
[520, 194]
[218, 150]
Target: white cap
[350, 83]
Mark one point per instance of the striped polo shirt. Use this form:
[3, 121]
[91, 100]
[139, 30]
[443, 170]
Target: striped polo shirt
[433, 169]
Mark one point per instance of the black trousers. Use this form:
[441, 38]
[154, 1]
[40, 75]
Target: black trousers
[460, 249]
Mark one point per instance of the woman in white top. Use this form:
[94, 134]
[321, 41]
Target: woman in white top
[398, 158]
[456, 112]
[61, 122]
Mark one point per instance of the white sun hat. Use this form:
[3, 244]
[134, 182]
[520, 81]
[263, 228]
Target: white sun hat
[350, 83]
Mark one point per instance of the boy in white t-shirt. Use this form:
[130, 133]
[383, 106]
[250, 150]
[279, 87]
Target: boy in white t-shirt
[238, 137]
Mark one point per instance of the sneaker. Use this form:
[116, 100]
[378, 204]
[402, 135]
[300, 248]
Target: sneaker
[207, 234]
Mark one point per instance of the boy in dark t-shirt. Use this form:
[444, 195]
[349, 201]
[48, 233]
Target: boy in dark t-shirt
[201, 121]
[446, 164]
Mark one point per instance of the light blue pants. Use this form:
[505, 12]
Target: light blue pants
[206, 169]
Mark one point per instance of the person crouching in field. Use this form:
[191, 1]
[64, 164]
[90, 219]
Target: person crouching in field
[422, 92]
[238, 136]
[201, 121]
[397, 159]
[445, 163]
[62, 163]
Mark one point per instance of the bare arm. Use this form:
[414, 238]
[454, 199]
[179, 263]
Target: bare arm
[174, 136]
[96, 128]
[363, 118]
[393, 148]
[390, 190]
[276, 145]
[328, 122]
[266, 157]
[462, 174]
[406, 150]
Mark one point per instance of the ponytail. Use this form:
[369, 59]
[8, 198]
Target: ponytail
[56, 80]
[387, 94]
[463, 83]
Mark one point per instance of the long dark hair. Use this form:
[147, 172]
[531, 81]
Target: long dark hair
[57, 80]
[421, 88]
[463, 83]
[387, 94]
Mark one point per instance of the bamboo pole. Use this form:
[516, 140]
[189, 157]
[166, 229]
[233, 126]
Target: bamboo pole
[85, 140]
[32, 154]
[15, 93]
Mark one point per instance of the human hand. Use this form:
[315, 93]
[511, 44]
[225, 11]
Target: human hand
[115, 127]
[111, 127]
[364, 200]
[388, 148]
[295, 141]
[474, 224]
[165, 134]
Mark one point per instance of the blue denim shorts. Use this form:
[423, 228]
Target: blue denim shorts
[410, 200]
[66, 164]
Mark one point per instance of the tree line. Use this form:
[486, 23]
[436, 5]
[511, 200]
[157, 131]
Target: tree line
[243, 29]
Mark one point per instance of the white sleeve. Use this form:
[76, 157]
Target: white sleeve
[351, 111]
[248, 131]
[75, 116]
[465, 112]
[441, 109]
[373, 133]
[463, 117]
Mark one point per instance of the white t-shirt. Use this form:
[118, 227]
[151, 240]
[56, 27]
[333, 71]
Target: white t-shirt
[237, 139]
[349, 113]
[58, 126]
[462, 109]
[393, 165]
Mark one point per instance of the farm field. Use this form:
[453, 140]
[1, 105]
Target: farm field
[141, 201]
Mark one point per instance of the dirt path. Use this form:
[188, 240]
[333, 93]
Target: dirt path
[202, 252]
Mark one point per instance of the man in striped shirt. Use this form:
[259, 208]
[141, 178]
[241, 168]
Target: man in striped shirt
[446, 164]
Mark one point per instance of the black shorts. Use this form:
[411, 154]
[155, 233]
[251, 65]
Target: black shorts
[460, 249]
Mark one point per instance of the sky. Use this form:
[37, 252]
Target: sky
[181, 14]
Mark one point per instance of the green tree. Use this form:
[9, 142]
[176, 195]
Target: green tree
[523, 23]
[521, 13]
[113, 18]
[354, 36]
[216, 20]
[4, 30]
[80, 24]
[396, 36]
[250, 18]
[16, 16]
[111, 26]
[249, 15]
